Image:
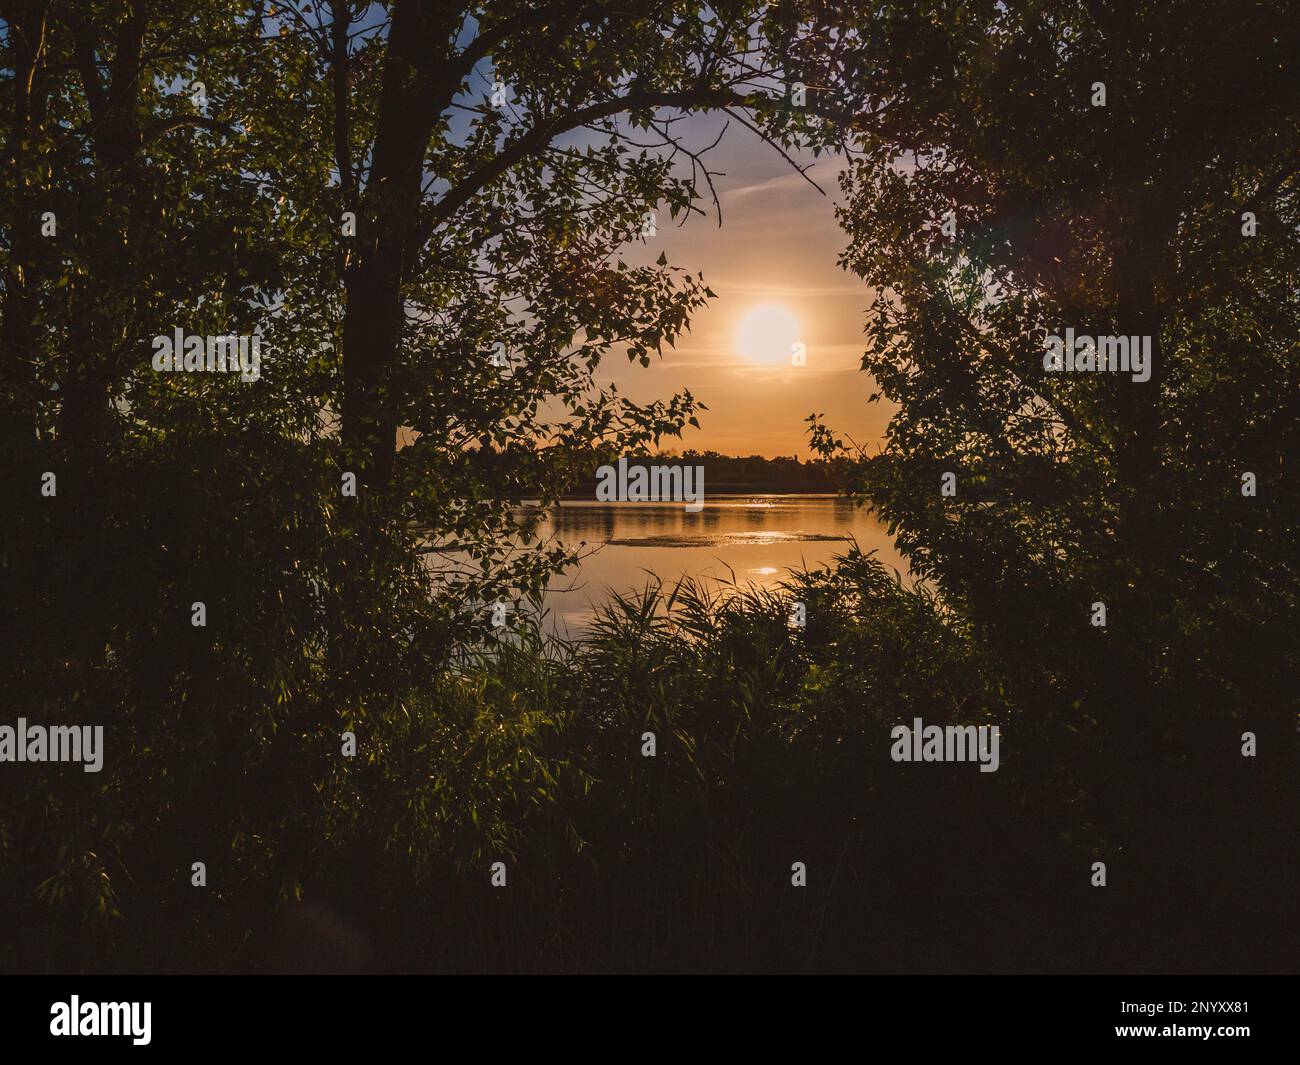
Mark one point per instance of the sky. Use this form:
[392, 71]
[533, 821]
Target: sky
[773, 267]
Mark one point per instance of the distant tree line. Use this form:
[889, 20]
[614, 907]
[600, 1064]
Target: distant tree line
[725, 474]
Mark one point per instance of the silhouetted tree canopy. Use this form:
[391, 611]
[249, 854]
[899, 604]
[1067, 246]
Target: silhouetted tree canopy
[422, 211]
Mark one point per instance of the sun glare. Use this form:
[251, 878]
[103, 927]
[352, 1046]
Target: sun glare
[767, 334]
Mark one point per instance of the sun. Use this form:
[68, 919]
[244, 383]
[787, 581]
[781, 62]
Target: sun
[767, 334]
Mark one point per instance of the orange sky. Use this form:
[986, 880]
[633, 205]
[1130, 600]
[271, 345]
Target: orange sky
[778, 245]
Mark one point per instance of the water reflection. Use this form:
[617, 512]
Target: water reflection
[758, 539]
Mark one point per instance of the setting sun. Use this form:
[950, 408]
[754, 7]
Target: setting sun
[767, 334]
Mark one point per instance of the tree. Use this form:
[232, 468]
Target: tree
[336, 182]
[1001, 195]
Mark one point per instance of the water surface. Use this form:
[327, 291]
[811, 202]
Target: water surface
[752, 539]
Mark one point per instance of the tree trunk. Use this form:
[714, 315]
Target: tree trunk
[409, 105]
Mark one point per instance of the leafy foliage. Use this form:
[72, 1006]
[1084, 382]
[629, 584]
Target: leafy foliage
[480, 224]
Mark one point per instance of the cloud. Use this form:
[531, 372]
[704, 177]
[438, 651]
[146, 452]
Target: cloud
[824, 174]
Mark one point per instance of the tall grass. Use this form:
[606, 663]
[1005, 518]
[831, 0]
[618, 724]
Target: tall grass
[772, 747]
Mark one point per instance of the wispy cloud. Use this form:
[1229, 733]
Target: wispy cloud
[825, 174]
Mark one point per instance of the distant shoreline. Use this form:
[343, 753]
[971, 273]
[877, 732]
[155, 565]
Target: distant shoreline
[730, 490]
[725, 492]
[724, 474]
